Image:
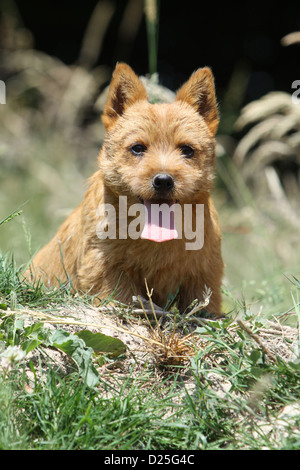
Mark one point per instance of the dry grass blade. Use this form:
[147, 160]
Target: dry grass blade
[260, 131]
[95, 32]
[173, 349]
[201, 305]
[264, 155]
[169, 348]
[273, 141]
[268, 105]
[291, 38]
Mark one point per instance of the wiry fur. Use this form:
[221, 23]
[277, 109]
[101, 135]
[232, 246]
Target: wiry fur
[101, 266]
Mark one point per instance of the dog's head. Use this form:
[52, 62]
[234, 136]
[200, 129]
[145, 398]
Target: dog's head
[159, 152]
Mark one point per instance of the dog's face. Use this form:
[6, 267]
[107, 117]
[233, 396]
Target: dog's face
[159, 152]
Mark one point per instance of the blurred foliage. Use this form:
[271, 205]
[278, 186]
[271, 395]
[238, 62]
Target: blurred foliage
[51, 133]
[269, 153]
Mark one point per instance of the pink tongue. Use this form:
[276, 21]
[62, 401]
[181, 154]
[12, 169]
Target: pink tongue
[159, 221]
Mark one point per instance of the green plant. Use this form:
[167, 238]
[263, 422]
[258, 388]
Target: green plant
[152, 21]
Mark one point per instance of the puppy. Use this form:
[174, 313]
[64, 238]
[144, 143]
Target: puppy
[158, 161]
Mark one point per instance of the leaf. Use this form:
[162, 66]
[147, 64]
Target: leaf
[76, 348]
[255, 355]
[36, 330]
[294, 365]
[257, 372]
[36, 335]
[13, 327]
[201, 330]
[30, 345]
[102, 343]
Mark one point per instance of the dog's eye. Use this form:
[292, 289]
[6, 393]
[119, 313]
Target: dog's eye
[138, 149]
[187, 151]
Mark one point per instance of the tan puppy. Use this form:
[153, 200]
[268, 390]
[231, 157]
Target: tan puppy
[153, 156]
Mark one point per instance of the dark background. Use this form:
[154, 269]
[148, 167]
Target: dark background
[191, 34]
[51, 131]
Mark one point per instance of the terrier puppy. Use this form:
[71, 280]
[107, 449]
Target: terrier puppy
[153, 156]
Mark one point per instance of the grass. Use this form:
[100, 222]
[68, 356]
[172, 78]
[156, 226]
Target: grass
[228, 393]
[63, 413]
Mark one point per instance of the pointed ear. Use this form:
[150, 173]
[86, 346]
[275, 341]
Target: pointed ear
[199, 92]
[125, 89]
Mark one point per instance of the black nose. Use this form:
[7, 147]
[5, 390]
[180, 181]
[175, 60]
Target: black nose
[163, 182]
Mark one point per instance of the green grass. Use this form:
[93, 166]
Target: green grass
[149, 406]
[63, 413]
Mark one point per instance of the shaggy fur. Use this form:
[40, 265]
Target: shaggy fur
[101, 266]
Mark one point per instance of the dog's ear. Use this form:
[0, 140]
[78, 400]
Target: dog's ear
[125, 89]
[199, 92]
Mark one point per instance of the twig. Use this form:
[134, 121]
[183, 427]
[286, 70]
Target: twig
[147, 311]
[60, 321]
[271, 332]
[258, 340]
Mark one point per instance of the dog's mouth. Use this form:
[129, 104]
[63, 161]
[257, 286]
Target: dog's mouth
[159, 220]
